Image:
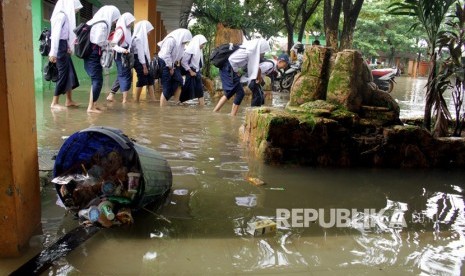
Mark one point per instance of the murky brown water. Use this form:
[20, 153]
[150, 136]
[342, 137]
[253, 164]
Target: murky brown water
[202, 228]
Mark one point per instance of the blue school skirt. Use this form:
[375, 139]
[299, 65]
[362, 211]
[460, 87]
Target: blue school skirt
[124, 75]
[192, 87]
[67, 77]
[231, 83]
[142, 80]
[170, 83]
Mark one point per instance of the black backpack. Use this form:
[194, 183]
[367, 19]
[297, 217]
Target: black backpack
[44, 42]
[155, 68]
[220, 54]
[82, 45]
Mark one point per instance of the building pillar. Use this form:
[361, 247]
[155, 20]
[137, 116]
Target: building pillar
[145, 10]
[158, 28]
[20, 209]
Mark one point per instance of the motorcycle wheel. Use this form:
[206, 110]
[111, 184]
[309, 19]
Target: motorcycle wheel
[391, 87]
[286, 82]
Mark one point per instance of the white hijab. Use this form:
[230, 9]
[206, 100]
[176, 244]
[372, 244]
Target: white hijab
[140, 32]
[180, 36]
[254, 48]
[194, 49]
[107, 13]
[68, 7]
[124, 21]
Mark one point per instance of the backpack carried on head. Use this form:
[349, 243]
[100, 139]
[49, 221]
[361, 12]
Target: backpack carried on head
[155, 68]
[82, 45]
[220, 54]
[44, 42]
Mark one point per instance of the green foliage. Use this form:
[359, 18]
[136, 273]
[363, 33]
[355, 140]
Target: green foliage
[430, 15]
[250, 16]
[452, 72]
[378, 31]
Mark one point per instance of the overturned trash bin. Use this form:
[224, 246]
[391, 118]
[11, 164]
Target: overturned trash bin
[101, 175]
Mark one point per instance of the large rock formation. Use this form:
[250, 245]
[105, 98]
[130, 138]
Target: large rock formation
[337, 116]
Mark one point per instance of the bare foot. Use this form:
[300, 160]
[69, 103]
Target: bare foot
[72, 104]
[124, 101]
[90, 110]
[110, 97]
[57, 107]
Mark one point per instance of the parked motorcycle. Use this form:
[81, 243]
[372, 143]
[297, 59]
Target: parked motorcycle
[285, 77]
[385, 78]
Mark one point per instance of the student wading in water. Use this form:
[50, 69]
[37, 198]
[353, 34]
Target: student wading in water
[121, 42]
[63, 22]
[140, 46]
[248, 57]
[192, 62]
[107, 15]
[171, 52]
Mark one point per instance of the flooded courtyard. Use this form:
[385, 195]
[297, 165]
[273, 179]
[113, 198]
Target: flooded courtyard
[402, 222]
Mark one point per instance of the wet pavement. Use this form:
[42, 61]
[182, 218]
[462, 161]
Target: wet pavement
[403, 222]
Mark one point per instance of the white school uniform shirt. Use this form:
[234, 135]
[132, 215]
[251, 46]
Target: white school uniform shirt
[140, 42]
[60, 30]
[100, 31]
[63, 22]
[193, 55]
[267, 67]
[122, 29]
[172, 46]
[248, 55]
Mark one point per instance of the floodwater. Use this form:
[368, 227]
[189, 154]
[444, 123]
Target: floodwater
[402, 222]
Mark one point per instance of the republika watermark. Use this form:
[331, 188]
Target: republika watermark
[340, 217]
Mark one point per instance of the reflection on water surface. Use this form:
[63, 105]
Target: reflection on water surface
[202, 227]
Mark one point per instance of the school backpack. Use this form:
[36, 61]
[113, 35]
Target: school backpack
[112, 34]
[220, 54]
[44, 42]
[82, 45]
[155, 68]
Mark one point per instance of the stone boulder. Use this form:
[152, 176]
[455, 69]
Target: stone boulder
[346, 80]
[311, 83]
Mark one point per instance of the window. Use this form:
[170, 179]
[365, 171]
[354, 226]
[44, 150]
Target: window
[47, 8]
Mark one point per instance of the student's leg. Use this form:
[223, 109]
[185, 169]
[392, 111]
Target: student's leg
[55, 105]
[125, 97]
[138, 92]
[220, 103]
[239, 91]
[69, 101]
[151, 92]
[177, 94]
[201, 101]
[92, 108]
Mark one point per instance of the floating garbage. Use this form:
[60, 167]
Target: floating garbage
[255, 181]
[261, 227]
[102, 176]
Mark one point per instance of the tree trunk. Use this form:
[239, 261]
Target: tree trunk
[227, 35]
[351, 12]
[331, 15]
[430, 91]
[288, 23]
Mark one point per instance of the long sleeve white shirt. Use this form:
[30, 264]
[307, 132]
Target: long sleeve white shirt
[238, 59]
[59, 31]
[165, 52]
[117, 36]
[186, 61]
[99, 34]
[139, 50]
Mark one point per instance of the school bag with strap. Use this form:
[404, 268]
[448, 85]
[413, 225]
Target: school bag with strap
[155, 68]
[82, 45]
[220, 54]
[45, 42]
[112, 34]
